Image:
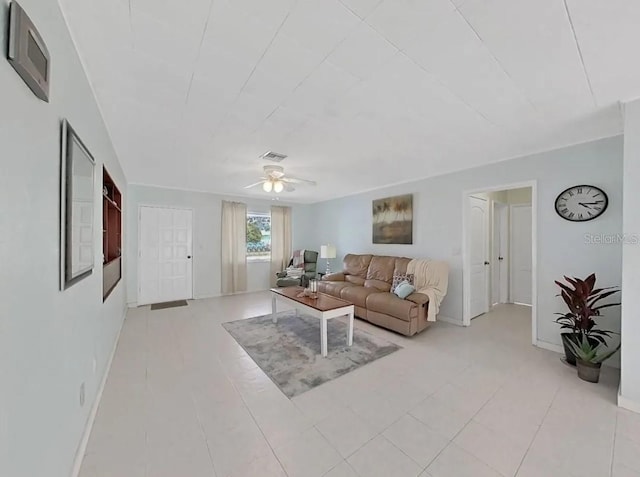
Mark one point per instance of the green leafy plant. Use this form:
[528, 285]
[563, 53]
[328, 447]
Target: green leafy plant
[253, 233]
[584, 301]
[586, 351]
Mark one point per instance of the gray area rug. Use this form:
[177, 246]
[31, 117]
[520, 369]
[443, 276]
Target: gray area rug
[169, 304]
[289, 351]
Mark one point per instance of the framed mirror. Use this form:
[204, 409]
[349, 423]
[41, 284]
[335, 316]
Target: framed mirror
[77, 205]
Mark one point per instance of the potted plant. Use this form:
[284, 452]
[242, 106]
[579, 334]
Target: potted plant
[584, 301]
[589, 358]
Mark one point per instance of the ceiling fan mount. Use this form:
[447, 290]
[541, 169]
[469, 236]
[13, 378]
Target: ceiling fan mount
[277, 181]
[273, 172]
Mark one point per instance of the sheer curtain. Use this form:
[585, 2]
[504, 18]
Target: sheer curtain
[280, 240]
[234, 247]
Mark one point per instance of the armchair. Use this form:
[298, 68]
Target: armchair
[310, 265]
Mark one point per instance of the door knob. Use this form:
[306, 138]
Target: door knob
[487, 263]
[500, 258]
[188, 256]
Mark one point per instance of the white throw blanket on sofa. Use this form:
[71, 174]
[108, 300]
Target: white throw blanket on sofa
[430, 277]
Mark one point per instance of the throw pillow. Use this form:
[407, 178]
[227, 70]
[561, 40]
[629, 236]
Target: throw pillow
[404, 290]
[294, 272]
[398, 279]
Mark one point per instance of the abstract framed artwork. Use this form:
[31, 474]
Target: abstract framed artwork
[393, 220]
[77, 200]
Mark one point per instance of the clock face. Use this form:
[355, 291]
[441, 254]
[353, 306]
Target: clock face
[581, 203]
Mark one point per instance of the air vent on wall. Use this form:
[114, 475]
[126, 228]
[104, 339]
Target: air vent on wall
[273, 156]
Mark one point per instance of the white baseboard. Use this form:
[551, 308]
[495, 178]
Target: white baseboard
[134, 304]
[447, 319]
[627, 403]
[205, 297]
[82, 447]
[550, 346]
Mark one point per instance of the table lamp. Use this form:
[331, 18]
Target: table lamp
[328, 252]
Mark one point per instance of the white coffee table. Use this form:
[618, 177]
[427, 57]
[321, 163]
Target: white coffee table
[324, 308]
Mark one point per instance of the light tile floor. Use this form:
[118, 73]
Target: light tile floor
[183, 399]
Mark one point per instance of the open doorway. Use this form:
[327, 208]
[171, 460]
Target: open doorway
[499, 254]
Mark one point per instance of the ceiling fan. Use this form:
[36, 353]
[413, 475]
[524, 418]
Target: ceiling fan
[276, 180]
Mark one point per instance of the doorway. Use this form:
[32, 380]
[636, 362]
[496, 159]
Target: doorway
[165, 265]
[499, 251]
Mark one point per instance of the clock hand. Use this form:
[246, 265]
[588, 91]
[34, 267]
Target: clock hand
[586, 205]
[591, 203]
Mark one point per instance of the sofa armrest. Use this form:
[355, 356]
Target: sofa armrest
[334, 277]
[418, 298]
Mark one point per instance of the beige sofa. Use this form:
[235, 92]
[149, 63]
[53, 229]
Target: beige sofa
[366, 282]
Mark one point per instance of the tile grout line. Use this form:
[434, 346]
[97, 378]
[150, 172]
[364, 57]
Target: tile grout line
[192, 397]
[381, 433]
[253, 418]
[465, 426]
[538, 429]
[613, 447]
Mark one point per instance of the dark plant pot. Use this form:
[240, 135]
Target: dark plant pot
[568, 352]
[589, 372]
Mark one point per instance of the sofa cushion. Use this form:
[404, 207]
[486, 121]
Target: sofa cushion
[356, 264]
[389, 304]
[357, 295]
[333, 288]
[381, 268]
[378, 285]
[336, 277]
[418, 298]
[398, 278]
[354, 279]
[401, 265]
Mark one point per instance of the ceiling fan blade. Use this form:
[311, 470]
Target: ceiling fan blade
[297, 180]
[289, 188]
[253, 185]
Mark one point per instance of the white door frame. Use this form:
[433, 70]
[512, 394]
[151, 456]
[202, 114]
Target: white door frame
[193, 221]
[466, 272]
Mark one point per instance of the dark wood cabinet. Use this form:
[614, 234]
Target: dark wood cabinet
[111, 234]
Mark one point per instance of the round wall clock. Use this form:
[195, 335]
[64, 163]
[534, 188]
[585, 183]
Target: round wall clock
[581, 203]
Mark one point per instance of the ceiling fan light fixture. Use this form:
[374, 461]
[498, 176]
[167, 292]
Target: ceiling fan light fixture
[278, 186]
[267, 186]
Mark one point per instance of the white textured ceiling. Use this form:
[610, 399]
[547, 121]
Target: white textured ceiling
[358, 93]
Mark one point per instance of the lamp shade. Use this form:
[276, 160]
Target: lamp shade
[278, 186]
[327, 251]
[267, 186]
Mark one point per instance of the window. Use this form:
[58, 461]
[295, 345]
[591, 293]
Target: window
[258, 236]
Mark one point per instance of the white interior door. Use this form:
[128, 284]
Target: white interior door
[478, 238]
[521, 240]
[500, 254]
[165, 255]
